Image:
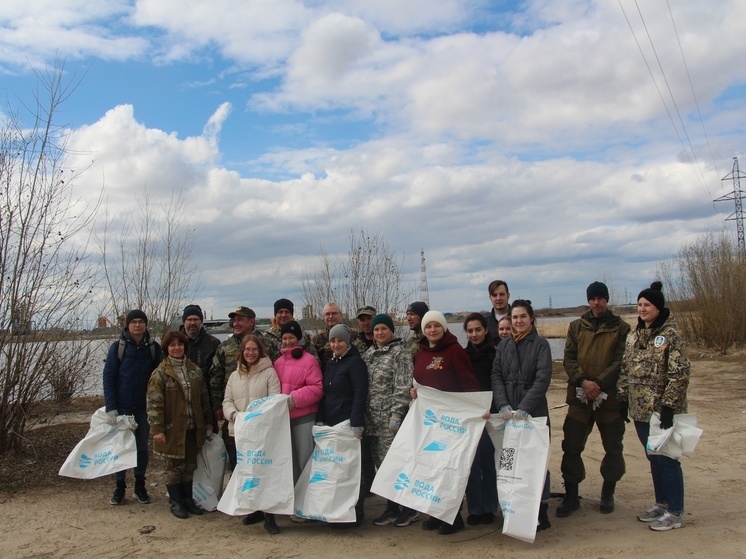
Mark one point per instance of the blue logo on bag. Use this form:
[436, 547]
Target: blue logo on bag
[84, 462]
[239, 456]
[318, 476]
[250, 483]
[320, 434]
[436, 446]
[430, 418]
[252, 415]
[402, 482]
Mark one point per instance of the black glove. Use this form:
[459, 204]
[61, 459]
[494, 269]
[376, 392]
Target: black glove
[296, 352]
[624, 411]
[666, 417]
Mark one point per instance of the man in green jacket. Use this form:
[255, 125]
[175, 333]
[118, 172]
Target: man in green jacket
[592, 361]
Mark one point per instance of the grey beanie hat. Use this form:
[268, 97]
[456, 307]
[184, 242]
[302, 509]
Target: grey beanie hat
[341, 331]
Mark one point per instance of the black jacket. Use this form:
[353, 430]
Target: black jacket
[345, 390]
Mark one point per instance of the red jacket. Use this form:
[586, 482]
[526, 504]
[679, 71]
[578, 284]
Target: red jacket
[446, 367]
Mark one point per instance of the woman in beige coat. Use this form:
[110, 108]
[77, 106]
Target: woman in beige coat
[253, 378]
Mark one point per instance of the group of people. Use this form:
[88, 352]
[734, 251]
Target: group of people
[370, 377]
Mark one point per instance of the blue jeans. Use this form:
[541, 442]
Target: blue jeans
[668, 479]
[481, 490]
[141, 440]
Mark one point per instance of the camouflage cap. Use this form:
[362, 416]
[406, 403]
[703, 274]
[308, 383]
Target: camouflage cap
[366, 310]
[242, 311]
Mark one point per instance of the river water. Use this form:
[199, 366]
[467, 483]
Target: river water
[93, 382]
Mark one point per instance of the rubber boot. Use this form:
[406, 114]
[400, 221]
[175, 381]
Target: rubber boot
[543, 523]
[189, 504]
[176, 499]
[571, 502]
[607, 497]
[270, 525]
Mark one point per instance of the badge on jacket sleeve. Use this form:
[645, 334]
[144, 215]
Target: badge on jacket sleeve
[659, 341]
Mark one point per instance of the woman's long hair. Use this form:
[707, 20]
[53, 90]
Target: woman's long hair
[243, 365]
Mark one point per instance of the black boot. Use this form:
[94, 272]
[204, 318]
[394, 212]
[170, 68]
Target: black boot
[607, 497]
[543, 523]
[253, 518]
[189, 504]
[571, 501]
[448, 529]
[141, 493]
[270, 525]
[175, 496]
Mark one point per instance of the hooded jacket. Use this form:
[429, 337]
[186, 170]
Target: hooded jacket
[244, 387]
[521, 374]
[595, 355]
[300, 377]
[446, 366]
[655, 369]
[126, 381]
[167, 408]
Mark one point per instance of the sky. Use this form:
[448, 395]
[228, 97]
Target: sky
[548, 143]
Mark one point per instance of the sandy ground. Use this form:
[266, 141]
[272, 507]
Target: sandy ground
[74, 519]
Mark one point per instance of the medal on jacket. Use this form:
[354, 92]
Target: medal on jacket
[659, 341]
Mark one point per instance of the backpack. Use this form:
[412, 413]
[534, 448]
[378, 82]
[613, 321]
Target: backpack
[122, 344]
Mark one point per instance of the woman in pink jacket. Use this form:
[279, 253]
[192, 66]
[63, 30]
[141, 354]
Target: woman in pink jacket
[301, 379]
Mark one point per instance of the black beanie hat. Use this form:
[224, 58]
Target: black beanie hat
[284, 304]
[419, 308]
[597, 289]
[654, 294]
[192, 310]
[134, 314]
[293, 328]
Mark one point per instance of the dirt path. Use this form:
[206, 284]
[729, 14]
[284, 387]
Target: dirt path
[71, 518]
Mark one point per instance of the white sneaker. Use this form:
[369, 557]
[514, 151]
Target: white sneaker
[668, 521]
[652, 514]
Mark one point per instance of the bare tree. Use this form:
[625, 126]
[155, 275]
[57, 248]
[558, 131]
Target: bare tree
[705, 287]
[45, 279]
[148, 263]
[370, 274]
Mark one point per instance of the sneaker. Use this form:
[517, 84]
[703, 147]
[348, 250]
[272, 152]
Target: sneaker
[141, 493]
[117, 498]
[431, 523]
[652, 514]
[299, 519]
[407, 517]
[388, 517]
[668, 521]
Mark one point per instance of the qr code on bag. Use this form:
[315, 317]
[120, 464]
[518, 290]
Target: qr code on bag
[506, 458]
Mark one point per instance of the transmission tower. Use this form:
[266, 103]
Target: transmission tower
[424, 296]
[736, 195]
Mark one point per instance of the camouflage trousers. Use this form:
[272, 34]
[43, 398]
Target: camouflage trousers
[180, 470]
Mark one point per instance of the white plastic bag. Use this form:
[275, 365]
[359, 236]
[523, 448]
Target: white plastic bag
[329, 486]
[104, 450]
[521, 459]
[263, 477]
[680, 440]
[429, 462]
[207, 486]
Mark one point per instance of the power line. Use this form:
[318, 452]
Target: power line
[673, 100]
[660, 94]
[691, 86]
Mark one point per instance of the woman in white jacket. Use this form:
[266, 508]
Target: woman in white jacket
[253, 378]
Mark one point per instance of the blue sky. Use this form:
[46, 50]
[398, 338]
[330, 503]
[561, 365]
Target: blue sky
[517, 140]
